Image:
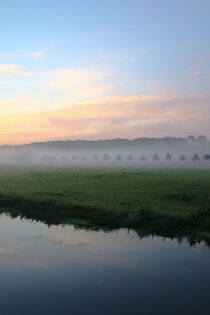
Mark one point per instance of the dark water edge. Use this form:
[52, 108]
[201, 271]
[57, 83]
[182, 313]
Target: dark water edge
[67, 270]
[195, 227]
[191, 237]
[71, 270]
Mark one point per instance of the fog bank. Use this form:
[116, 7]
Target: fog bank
[139, 152]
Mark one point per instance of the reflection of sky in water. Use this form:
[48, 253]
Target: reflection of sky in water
[66, 271]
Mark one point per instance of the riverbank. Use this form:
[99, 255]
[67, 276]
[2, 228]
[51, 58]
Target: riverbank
[144, 221]
[157, 201]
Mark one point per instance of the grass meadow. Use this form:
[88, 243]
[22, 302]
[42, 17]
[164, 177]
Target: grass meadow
[131, 197]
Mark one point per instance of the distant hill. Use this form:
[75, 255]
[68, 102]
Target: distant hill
[116, 143]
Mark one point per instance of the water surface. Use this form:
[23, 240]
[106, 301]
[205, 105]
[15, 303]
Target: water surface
[63, 270]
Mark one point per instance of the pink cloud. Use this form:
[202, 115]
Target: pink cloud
[145, 115]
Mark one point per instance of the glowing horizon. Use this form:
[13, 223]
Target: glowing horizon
[93, 76]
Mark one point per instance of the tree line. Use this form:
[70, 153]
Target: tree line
[119, 157]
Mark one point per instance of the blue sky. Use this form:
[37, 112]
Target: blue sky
[115, 50]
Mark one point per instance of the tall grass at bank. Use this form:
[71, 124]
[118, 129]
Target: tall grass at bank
[154, 199]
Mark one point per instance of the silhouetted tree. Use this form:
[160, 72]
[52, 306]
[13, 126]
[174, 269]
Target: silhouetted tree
[182, 157]
[49, 158]
[191, 139]
[155, 157]
[84, 158]
[24, 156]
[106, 157]
[168, 157]
[201, 139]
[96, 158]
[74, 157]
[130, 158]
[195, 157]
[63, 158]
[118, 157]
[207, 157]
[143, 158]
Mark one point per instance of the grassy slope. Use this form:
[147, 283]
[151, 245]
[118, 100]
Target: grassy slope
[110, 188]
[118, 190]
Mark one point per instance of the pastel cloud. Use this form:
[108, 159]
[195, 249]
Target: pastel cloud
[200, 67]
[116, 116]
[122, 116]
[6, 251]
[88, 93]
[51, 89]
[77, 103]
[8, 71]
[60, 87]
[22, 53]
[35, 54]
[74, 77]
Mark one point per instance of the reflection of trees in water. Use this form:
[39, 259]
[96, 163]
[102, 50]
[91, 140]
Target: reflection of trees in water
[192, 239]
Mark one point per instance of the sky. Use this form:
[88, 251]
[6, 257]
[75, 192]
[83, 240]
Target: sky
[102, 69]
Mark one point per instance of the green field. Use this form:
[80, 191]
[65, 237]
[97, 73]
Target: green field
[142, 195]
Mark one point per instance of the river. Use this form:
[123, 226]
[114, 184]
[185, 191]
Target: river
[64, 270]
